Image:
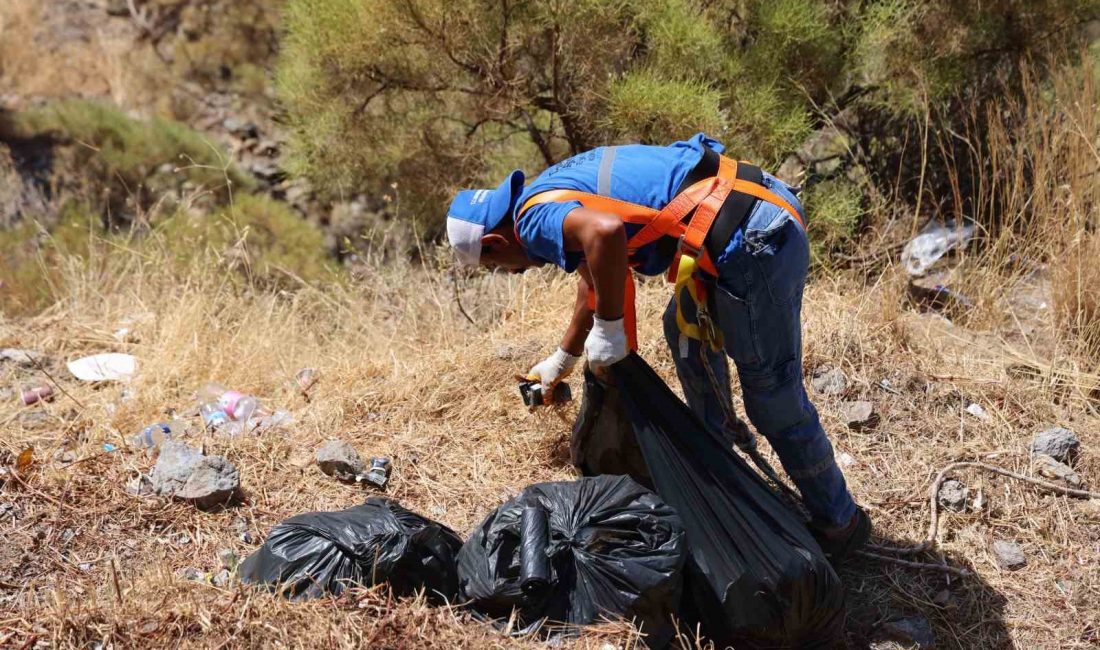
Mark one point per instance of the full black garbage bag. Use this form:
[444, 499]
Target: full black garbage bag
[755, 576]
[575, 553]
[309, 555]
[603, 440]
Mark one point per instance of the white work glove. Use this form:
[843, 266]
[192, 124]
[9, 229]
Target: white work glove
[553, 368]
[606, 343]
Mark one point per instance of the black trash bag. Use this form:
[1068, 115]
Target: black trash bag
[572, 553]
[755, 576]
[603, 439]
[318, 553]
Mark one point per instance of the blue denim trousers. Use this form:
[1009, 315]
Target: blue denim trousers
[757, 304]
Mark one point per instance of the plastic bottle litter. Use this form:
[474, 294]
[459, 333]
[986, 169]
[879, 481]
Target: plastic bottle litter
[232, 413]
[213, 417]
[153, 435]
[927, 248]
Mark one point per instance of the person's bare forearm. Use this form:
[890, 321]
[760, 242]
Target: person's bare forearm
[602, 237]
[581, 323]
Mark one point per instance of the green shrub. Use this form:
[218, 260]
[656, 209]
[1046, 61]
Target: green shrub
[30, 257]
[834, 209]
[106, 152]
[646, 108]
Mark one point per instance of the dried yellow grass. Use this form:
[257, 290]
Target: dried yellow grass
[405, 375]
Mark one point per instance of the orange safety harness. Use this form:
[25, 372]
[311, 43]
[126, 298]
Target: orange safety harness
[688, 218]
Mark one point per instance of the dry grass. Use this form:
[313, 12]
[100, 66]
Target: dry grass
[70, 48]
[405, 375]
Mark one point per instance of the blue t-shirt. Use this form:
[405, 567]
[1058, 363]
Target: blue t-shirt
[641, 174]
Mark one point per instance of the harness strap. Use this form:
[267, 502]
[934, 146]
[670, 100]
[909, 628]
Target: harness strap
[689, 217]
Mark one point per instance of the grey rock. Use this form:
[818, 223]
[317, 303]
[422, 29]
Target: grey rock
[184, 473]
[828, 380]
[340, 460]
[176, 463]
[241, 128]
[1050, 468]
[22, 358]
[953, 495]
[191, 573]
[215, 482]
[246, 538]
[221, 578]
[910, 631]
[1009, 555]
[1058, 443]
[228, 558]
[859, 415]
[181, 539]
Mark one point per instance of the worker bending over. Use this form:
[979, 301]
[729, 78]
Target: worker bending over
[732, 238]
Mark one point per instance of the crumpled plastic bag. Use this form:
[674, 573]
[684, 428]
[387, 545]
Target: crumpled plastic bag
[575, 553]
[318, 553]
[755, 576]
[603, 440]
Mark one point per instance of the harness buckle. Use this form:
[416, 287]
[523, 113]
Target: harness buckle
[689, 250]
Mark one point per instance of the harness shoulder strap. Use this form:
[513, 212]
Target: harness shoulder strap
[627, 211]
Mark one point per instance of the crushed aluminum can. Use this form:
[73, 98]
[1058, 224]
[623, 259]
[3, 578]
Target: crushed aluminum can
[379, 473]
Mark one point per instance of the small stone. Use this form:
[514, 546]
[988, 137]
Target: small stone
[953, 495]
[859, 415]
[22, 358]
[911, 631]
[977, 411]
[1054, 470]
[140, 486]
[190, 573]
[1060, 444]
[241, 128]
[845, 459]
[34, 419]
[176, 463]
[65, 456]
[215, 482]
[828, 380]
[182, 539]
[85, 566]
[340, 460]
[1009, 555]
[228, 558]
[246, 538]
[221, 578]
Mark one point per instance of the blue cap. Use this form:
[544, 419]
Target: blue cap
[476, 212]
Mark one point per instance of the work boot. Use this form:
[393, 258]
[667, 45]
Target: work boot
[838, 543]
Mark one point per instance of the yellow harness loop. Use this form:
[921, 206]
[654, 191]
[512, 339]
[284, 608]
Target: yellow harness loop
[687, 289]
